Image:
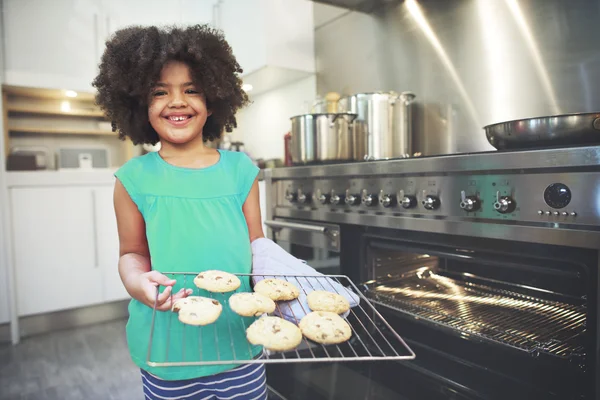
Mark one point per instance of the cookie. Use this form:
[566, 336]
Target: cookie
[321, 300]
[274, 333]
[277, 289]
[251, 304]
[197, 310]
[325, 327]
[217, 281]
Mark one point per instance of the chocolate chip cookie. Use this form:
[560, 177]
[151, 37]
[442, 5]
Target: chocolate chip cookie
[321, 300]
[251, 304]
[277, 289]
[217, 281]
[197, 310]
[274, 334]
[325, 327]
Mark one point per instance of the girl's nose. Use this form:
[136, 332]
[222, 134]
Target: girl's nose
[177, 101]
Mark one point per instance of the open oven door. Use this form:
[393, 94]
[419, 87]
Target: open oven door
[316, 243]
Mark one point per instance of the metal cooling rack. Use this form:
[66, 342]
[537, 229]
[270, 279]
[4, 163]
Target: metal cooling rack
[372, 337]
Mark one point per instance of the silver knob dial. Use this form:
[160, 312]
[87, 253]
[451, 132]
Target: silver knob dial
[430, 202]
[335, 199]
[469, 203]
[368, 199]
[303, 197]
[504, 204]
[407, 201]
[387, 200]
[290, 196]
[351, 199]
[322, 197]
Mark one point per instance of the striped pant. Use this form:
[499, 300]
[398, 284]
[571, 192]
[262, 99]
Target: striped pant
[247, 382]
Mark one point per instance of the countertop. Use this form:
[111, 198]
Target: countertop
[64, 177]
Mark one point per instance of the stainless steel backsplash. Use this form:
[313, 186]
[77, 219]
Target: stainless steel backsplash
[470, 62]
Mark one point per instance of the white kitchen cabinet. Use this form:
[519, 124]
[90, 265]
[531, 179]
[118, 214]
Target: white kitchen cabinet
[273, 40]
[55, 256]
[58, 44]
[52, 44]
[107, 245]
[65, 247]
[4, 313]
[119, 14]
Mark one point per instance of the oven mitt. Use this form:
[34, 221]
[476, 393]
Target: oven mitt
[269, 259]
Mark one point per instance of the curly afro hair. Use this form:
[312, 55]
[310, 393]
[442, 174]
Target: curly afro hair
[132, 63]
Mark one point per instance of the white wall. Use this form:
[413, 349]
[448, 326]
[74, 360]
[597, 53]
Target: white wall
[324, 14]
[263, 124]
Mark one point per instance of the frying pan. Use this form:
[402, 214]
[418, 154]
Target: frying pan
[550, 131]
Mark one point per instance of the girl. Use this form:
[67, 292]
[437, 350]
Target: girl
[185, 208]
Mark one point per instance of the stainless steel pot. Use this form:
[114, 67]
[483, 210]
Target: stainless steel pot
[383, 126]
[555, 130]
[321, 137]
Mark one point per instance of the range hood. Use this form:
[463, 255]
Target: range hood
[366, 6]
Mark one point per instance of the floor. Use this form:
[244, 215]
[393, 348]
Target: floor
[90, 363]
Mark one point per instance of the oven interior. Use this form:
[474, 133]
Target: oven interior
[523, 317]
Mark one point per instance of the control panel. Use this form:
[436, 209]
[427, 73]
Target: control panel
[519, 197]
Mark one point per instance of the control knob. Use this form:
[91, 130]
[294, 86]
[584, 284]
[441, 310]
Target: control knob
[336, 198]
[504, 204]
[430, 202]
[303, 197]
[469, 203]
[322, 197]
[352, 199]
[386, 200]
[368, 199]
[407, 201]
[290, 196]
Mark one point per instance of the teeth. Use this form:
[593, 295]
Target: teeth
[177, 118]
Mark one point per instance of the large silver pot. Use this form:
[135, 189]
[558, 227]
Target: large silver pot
[383, 126]
[321, 137]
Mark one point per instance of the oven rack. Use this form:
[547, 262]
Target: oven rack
[509, 318]
[368, 341]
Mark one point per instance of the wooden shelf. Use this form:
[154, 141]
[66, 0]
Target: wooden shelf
[55, 131]
[51, 118]
[45, 93]
[49, 111]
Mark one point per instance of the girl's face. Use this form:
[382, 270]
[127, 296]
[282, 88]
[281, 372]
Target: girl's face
[177, 109]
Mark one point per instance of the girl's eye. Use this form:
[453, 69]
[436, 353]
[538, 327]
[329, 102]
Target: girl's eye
[191, 91]
[159, 93]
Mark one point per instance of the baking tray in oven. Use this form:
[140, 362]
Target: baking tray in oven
[472, 308]
[372, 336]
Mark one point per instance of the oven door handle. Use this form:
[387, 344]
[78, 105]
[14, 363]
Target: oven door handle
[296, 226]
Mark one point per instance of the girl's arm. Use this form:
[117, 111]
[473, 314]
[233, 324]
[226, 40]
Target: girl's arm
[251, 209]
[134, 257]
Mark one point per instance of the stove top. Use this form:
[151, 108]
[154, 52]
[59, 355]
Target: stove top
[538, 151]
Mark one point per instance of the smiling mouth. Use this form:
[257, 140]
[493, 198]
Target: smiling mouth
[178, 117]
[178, 120]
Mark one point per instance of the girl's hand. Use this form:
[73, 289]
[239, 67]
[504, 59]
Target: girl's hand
[147, 286]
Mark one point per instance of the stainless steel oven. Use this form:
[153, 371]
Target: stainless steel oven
[486, 264]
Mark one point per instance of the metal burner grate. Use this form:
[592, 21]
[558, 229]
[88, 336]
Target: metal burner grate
[509, 318]
[184, 344]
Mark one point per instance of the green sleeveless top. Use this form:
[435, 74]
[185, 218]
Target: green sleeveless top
[194, 222]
